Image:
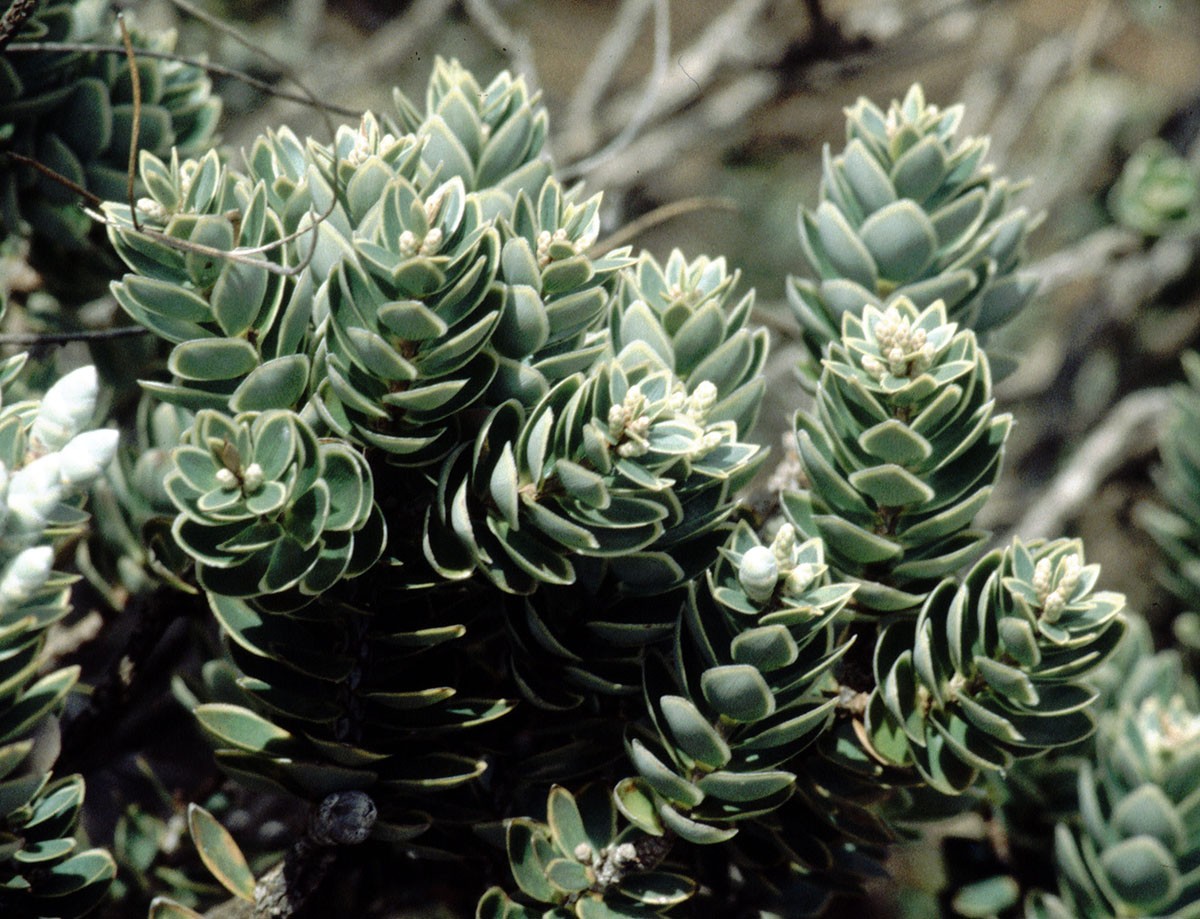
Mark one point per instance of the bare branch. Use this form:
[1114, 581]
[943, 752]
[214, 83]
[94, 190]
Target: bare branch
[53, 176]
[611, 53]
[135, 80]
[1123, 435]
[648, 103]
[14, 17]
[659, 215]
[217, 70]
[515, 44]
[31, 339]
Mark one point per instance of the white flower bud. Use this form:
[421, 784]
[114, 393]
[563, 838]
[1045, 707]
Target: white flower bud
[85, 457]
[874, 367]
[153, 210]
[1069, 579]
[1053, 606]
[432, 242]
[758, 573]
[583, 852]
[226, 479]
[23, 576]
[1041, 578]
[617, 417]
[65, 409]
[701, 401]
[625, 854]
[408, 244]
[783, 544]
[252, 478]
[799, 579]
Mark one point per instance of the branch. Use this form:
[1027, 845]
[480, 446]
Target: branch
[32, 339]
[1127, 432]
[343, 819]
[216, 70]
[646, 106]
[14, 17]
[579, 121]
[499, 33]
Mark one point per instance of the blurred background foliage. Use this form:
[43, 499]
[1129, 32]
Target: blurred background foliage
[704, 131]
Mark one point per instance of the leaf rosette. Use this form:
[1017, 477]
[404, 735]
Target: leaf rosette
[238, 327]
[908, 210]
[73, 112]
[551, 293]
[491, 137]
[685, 311]
[622, 465]
[996, 668]
[577, 865]
[899, 453]
[743, 698]
[405, 323]
[1158, 192]
[1135, 847]
[264, 506]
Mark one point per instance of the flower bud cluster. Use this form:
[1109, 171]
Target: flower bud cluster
[1055, 585]
[904, 349]
[763, 568]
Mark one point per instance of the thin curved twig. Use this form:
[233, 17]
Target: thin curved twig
[216, 70]
[135, 127]
[579, 123]
[659, 215]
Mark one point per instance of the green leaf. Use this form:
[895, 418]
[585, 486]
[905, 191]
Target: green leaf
[767, 647]
[738, 692]
[568, 875]
[895, 442]
[662, 778]
[527, 867]
[843, 248]
[658, 888]
[920, 170]
[1142, 873]
[692, 733]
[891, 486]
[901, 240]
[699, 833]
[987, 898]
[242, 728]
[566, 824]
[220, 853]
[277, 384]
[636, 803]
[20, 792]
[745, 786]
[95, 866]
[213, 359]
